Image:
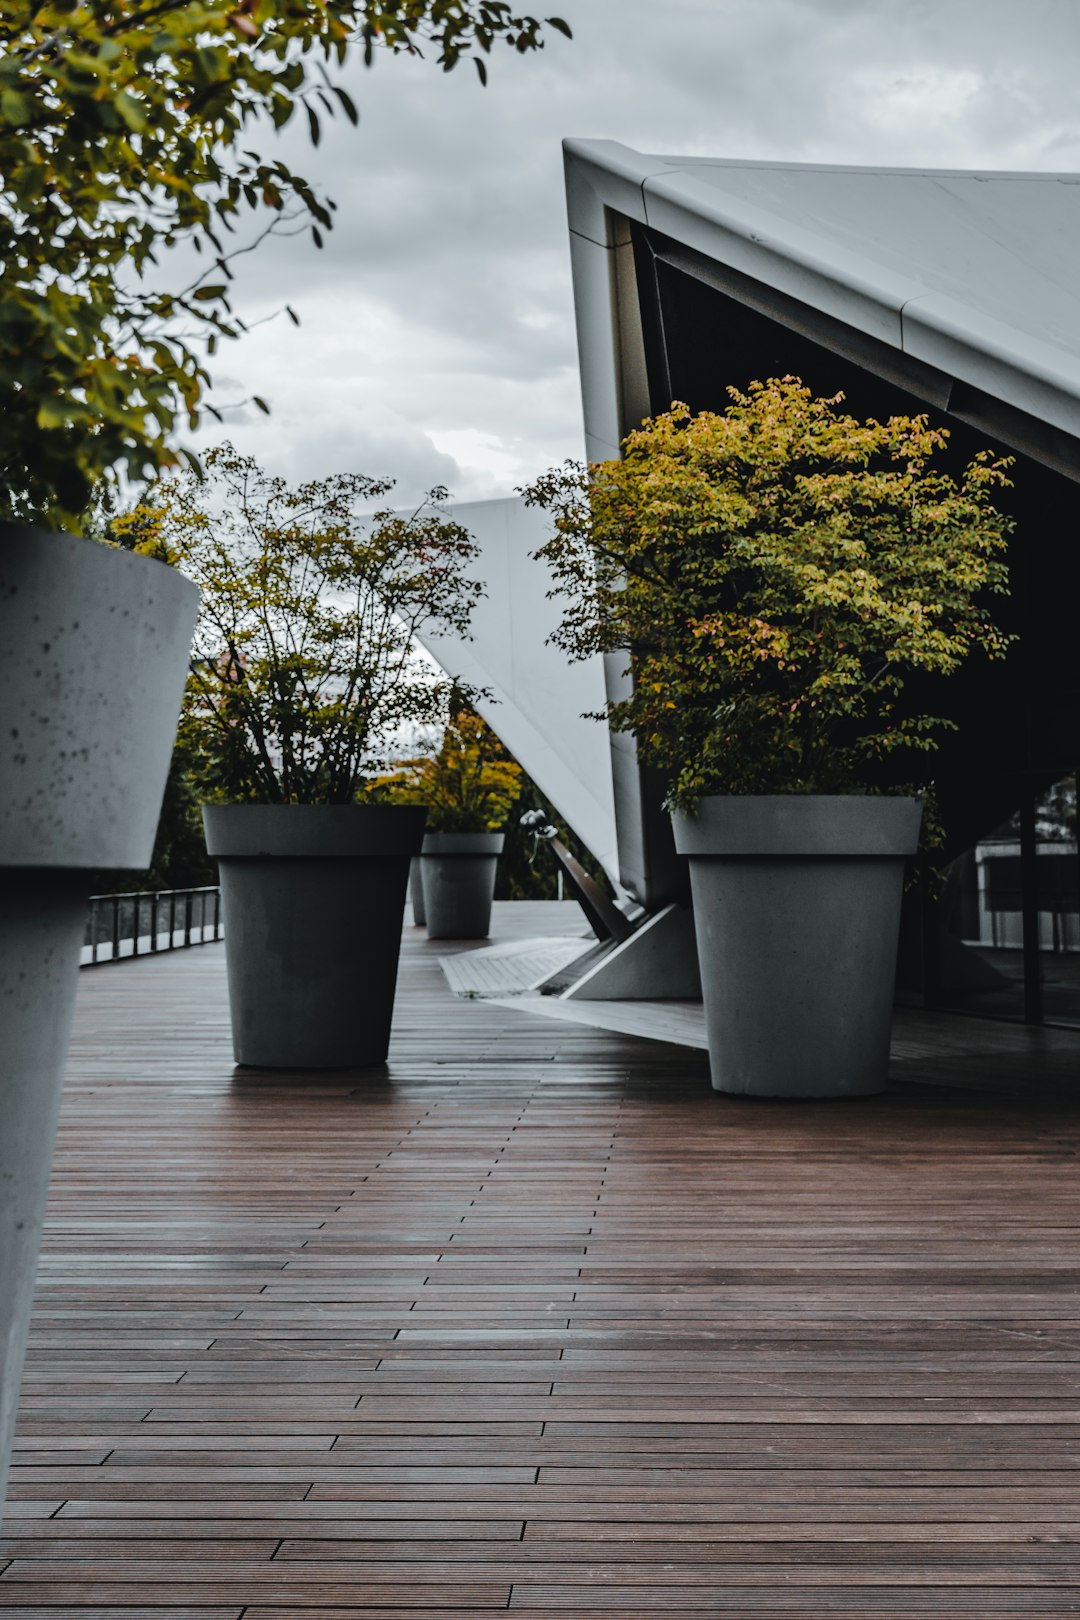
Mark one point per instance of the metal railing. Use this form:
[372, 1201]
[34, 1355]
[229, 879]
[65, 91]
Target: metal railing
[143, 922]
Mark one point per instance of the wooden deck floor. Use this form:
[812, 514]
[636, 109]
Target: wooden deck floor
[533, 1321]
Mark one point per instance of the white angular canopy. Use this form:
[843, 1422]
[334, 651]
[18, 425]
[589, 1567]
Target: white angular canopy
[961, 288]
[972, 274]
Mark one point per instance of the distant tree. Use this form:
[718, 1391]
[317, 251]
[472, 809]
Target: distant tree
[467, 781]
[125, 130]
[470, 782]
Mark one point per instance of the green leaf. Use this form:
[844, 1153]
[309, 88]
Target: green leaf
[131, 111]
[52, 413]
[204, 294]
[313, 124]
[561, 26]
[17, 108]
[261, 403]
[348, 105]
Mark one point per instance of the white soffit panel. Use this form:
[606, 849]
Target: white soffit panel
[973, 273]
[539, 696]
[785, 256]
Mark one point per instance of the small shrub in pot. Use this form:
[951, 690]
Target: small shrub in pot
[305, 670]
[468, 785]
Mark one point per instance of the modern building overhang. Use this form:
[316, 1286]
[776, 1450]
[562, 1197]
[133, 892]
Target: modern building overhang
[905, 289]
[959, 286]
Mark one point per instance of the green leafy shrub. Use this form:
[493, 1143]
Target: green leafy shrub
[305, 664]
[777, 575]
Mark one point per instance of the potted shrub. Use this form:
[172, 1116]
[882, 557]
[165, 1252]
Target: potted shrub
[468, 786]
[779, 574]
[305, 668]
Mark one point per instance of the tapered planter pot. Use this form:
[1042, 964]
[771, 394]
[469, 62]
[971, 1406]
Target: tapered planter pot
[797, 915]
[94, 646]
[458, 870]
[313, 901]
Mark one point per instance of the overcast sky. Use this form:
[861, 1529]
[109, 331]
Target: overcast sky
[437, 341]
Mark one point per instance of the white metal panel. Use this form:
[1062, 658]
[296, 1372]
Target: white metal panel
[1032, 375]
[604, 178]
[539, 696]
[1005, 245]
[599, 362]
[783, 255]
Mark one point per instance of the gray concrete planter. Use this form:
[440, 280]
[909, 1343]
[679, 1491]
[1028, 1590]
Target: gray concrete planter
[94, 647]
[313, 901]
[797, 916]
[458, 870]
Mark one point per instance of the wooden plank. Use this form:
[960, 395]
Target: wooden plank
[178, 1547]
[927, 1516]
[83, 1590]
[480, 1581]
[533, 1601]
[91, 1609]
[210, 1531]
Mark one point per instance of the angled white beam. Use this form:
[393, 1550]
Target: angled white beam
[538, 696]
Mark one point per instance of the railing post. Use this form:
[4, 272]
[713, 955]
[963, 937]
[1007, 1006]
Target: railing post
[136, 909]
[187, 918]
[153, 920]
[115, 927]
[93, 927]
[217, 913]
[172, 918]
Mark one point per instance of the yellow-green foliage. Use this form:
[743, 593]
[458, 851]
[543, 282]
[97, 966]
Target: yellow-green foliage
[777, 574]
[126, 127]
[305, 663]
[469, 784]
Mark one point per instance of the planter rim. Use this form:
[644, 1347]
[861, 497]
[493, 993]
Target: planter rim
[473, 843]
[800, 824]
[312, 831]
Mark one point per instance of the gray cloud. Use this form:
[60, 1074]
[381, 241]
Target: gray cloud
[437, 342]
